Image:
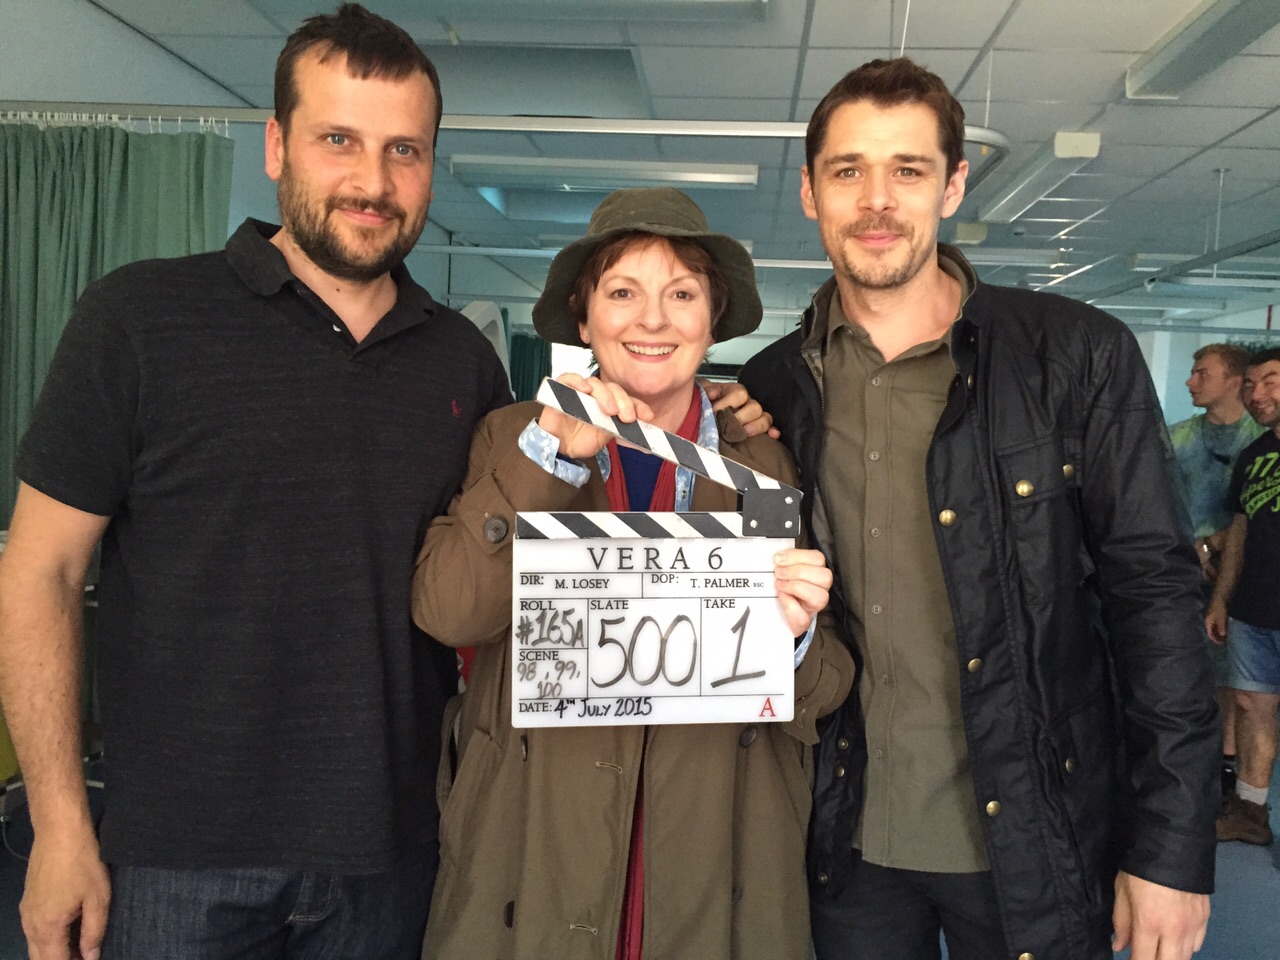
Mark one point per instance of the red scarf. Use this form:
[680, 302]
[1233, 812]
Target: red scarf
[631, 927]
[664, 488]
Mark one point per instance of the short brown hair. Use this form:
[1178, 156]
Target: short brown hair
[1234, 357]
[689, 252]
[373, 46]
[891, 83]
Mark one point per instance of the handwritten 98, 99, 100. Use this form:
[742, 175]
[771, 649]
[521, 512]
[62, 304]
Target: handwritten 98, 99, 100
[615, 631]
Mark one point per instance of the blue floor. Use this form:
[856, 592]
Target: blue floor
[1245, 924]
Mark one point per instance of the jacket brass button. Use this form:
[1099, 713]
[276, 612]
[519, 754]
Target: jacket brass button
[839, 771]
[748, 737]
[993, 808]
[1024, 488]
[970, 381]
[1026, 956]
[1068, 470]
[823, 878]
[495, 529]
[947, 517]
[975, 664]
[1070, 765]
[842, 743]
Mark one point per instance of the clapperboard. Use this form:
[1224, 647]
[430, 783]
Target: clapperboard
[652, 618]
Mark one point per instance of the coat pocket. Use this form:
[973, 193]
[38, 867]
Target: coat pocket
[1084, 751]
[462, 802]
[1043, 522]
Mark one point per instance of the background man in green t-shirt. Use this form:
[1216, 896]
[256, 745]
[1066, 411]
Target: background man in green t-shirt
[1207, 445]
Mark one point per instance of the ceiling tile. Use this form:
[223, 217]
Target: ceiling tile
[244, 60]
[1036, 121]
[783, 26]
[1177, 125]
[718, 72]
[1241, 82]
[1264, 133]
[1131, 25]
[822, 68]
[229, 18]
[1089, 76]
[529, 33]
[932, 23]
[1137, 161]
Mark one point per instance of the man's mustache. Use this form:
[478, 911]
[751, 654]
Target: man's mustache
[383, 208]
[878, 224]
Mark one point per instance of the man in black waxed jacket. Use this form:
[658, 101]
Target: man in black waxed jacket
[1028, 760]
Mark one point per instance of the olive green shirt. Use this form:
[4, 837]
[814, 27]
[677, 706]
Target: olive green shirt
[919, 811]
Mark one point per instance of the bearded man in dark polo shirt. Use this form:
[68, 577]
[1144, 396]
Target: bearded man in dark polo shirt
[1029, 760]
[259, 438]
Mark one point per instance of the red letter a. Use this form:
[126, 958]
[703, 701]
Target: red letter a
[768, 707]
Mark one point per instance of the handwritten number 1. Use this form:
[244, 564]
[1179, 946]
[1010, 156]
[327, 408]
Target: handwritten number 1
[740, 628]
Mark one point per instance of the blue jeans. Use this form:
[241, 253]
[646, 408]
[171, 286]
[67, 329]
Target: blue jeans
[1253, 657]
[270, 913]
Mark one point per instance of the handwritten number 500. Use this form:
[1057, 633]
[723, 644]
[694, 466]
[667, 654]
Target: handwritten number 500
[629, 650]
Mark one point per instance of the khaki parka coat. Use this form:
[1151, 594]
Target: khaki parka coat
[536, 824]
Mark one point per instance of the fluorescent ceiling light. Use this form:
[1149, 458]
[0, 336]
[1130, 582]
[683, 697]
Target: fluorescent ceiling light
[403, 11]
[1207, 37]
[1052, 164]
[1239, 283]
[1243, 266]
[569, 175]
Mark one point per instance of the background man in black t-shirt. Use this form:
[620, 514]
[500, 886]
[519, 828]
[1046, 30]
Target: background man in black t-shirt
[1247, 590]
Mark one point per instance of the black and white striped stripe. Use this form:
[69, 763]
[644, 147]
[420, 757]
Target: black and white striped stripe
[704, 462]
[628, 526]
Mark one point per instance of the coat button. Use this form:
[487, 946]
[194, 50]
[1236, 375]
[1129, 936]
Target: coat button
[842, 744]
[993, 808]
[1024, 488]
[970, 381]
[839, 771]
[1070, 765]
[495, 529]
[975, 664]
[1026, 956]
[947, 517]
[748, 737]
[823, 878]
[1068, 470]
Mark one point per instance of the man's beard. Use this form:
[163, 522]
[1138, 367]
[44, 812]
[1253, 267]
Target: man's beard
[309, 226]
[880, 274]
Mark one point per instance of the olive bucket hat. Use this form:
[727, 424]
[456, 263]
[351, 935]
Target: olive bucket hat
[664, 212]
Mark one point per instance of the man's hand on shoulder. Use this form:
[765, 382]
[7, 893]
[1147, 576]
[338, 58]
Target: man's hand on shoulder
[1158, 922]
[749, 413]
[67, 889]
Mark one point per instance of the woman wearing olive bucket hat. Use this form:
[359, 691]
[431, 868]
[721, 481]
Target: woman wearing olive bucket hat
[630, 841]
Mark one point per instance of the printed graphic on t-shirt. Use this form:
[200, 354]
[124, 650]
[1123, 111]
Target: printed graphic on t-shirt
[1261, 488]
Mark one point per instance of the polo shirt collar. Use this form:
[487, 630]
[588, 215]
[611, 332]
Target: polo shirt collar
[262, 267]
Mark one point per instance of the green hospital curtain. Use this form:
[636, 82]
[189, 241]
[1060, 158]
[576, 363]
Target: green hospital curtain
[75, 203]
[530, 362]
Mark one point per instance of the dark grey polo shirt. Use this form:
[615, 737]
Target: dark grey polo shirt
[266, 699]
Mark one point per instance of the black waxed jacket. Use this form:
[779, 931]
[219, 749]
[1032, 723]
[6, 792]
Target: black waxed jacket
[1086, 690]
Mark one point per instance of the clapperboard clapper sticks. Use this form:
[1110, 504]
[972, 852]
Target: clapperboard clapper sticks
[648, 618]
